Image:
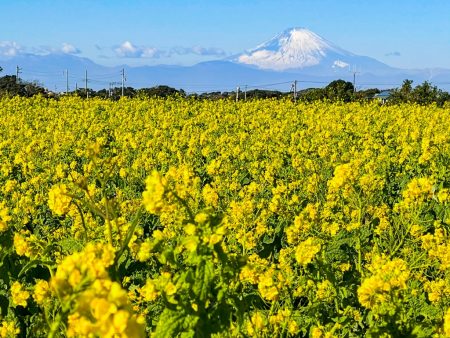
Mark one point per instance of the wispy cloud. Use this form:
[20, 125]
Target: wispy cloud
[129, 50]
[393, 54]
[68, 48]
[198, 50]
[10, 48]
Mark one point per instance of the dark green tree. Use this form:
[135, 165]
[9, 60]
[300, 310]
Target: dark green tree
[9, 86]
[403, 94]
[426, 94]
[340, 90]
[312, 94]
[160, 91]
[422, 94]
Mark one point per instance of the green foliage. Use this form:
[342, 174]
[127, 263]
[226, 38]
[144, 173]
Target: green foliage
[422, 94]
[9, 86]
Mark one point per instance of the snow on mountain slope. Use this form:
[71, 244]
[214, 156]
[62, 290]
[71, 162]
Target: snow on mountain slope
[293, 48]
[300, 49]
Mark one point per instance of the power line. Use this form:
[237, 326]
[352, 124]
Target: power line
[102, 79]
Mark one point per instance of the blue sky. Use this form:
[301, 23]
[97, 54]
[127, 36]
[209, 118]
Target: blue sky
[401, 33]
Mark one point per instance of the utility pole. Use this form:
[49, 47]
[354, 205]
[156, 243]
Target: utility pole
[85, 84]
[123, 80]
[66, 72]
[18, 71]
[245, 93]
[237, 93]
[354, 79]
[295, 90]
[111, 87]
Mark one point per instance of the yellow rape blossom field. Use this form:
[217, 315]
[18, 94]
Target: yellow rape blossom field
[185, 218]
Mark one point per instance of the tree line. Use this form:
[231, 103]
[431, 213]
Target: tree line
[338, 90]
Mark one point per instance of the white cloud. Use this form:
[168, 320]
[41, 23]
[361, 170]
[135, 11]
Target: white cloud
[197, 50]
[67, 48]
[129, 50]
[340, 64]
[9, 48]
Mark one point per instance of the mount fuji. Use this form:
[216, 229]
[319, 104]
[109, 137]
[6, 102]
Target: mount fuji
[294, 54]
[299, 49]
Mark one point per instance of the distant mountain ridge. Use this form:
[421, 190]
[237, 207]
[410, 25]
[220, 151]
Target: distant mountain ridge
[294, 54]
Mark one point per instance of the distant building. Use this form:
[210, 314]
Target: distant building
[383, 96]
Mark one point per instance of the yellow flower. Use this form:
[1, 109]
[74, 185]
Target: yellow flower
[191, 243]
[149, 291]
[4, 217]
[41, 291]
[22, 245]
[388, 277]
[190, 229]
[325, 291]
[316, 332]
[59, 200]
[210, 196]
[170, 289]
[256, 324]
[417, 190]
[201, 218]
[8, 329]
[447, 323]
[120, 321]
[153, 196]
[266, 286]
[306, 251]
[145, 251]
[437, 289]
[19, 296]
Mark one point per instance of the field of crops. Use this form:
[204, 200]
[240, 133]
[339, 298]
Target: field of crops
[174, 217]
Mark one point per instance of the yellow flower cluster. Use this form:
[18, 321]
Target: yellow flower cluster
[437, 289]
[8, 329]
[307, 250]
[19, 295]
[101, 307]
[4, 217]
[447, 323]
[387, 277]
[59, 200]
[311, 200]
[438, 247]
[103, 310]
[82, 268]
[153, 196]
[41, 291]
[417, 191]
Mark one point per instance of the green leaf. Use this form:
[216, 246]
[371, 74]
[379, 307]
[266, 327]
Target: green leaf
[32, 264]
[70, 245]
[204, 276]
[170, 324]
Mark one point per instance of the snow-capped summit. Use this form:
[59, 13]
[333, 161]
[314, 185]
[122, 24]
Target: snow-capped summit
[293, 48]
[301, 49]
